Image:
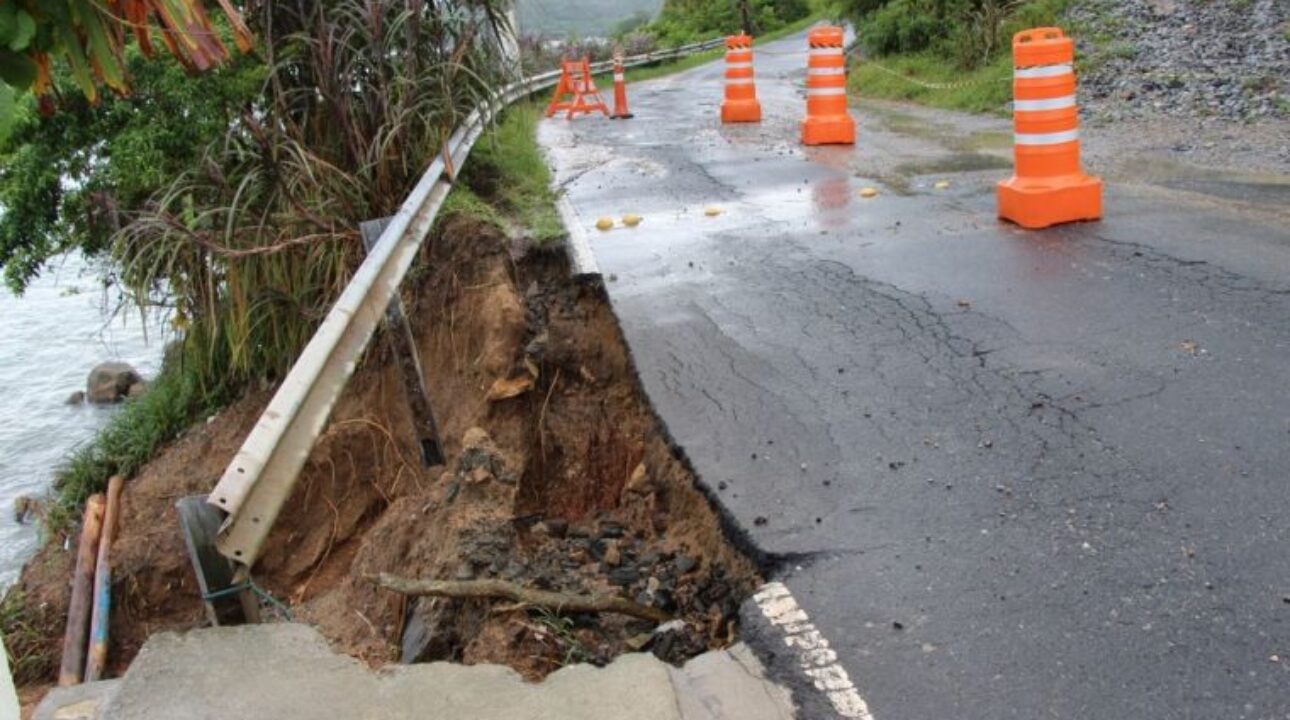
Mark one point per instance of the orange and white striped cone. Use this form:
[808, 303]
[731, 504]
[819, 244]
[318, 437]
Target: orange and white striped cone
[827, 120]
[1049, 186]
[741, 105]
[620, 91]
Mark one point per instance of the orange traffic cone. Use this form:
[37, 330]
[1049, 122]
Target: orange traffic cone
[827, 121]
[620, 91]
[741, 104]
[576, 82]
[1049, 186]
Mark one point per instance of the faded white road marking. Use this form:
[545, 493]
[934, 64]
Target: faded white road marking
[584, 260]
[819, 662]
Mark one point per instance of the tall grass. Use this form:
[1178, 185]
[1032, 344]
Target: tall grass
[507, 170]
[250, 250]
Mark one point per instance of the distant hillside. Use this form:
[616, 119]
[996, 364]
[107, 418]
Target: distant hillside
[579, 17]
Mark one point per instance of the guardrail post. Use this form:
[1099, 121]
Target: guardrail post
[405, 350]
[225, 602]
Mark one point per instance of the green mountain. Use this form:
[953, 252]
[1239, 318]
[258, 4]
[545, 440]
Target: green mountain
[580, 17]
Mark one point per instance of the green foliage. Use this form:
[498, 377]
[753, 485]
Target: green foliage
[249, 249]
[683, 21]
[631, 24]
[968, 33]
[70, 180]
[174, 400]
[986, 89]
[508, 171]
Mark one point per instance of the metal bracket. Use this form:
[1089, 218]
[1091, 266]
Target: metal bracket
[404, 343]
[199, 523]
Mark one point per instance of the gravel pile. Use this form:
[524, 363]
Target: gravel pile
[1225, 59]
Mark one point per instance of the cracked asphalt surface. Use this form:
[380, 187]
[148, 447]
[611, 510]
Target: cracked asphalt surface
[1008, 474]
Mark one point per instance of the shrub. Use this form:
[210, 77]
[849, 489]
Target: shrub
[969, 33]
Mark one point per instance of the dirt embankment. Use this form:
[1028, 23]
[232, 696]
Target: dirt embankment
[568, 486]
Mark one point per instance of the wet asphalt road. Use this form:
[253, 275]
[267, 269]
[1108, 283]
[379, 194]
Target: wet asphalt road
[1007, 474]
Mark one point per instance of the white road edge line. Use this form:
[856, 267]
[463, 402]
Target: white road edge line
[818, 661]
[584, 260]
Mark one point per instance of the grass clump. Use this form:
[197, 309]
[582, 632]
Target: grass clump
[955, 54]
[508, 173]
[923, 78]
[24, 629]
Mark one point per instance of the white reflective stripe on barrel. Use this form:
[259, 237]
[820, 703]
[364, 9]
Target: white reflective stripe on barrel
[619, 77]
[827, 71]
[826, 51]
[813, 92]
[1043, 71]
[1060, 103]
[1056, 138]
[739, 81]
[739, 65]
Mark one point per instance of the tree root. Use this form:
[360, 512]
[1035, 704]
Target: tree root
[502, 590]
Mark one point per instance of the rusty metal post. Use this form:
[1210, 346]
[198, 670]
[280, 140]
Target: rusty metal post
[78, 611]
[405, 350]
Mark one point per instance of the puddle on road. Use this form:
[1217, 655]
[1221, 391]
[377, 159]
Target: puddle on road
[1258, 189]
[983, 140]
[1262, 193]
[956, 163]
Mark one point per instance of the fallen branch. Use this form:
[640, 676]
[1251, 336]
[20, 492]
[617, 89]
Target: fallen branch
[502, 590]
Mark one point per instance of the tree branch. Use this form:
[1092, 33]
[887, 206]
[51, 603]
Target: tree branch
[502, 590]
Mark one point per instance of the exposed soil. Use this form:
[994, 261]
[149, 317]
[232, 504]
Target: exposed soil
[568, 486]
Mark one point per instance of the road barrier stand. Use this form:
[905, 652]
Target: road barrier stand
[827, 120]
[578, 86]
[741, 105]
[1048, 187]
[620, 91]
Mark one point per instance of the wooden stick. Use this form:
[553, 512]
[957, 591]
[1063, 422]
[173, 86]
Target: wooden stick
[78, 611]
[99, 619]
[499, 589]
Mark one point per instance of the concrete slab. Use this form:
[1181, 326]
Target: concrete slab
[80, 702]
[728, 684]
[287, 671]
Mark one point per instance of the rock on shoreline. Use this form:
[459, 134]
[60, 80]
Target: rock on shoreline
[110, 382]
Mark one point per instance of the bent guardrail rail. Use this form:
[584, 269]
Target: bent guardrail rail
[262, 475]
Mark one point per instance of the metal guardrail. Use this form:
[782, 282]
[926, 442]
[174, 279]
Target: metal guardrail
[262, 475]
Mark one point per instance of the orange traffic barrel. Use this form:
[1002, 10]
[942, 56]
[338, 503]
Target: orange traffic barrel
[1049, 186]
[620, 91]
[827, 120]
[741, 105]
